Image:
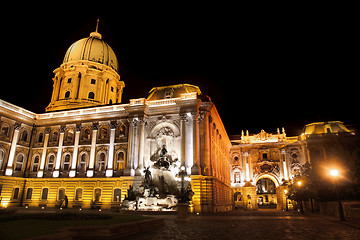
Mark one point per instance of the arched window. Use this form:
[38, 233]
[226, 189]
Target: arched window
[67, 95]
[83, 163]
[69, 135]
[120, 161]
[2, 157]
[40, 137]
[103, 133]
[66, 163]
[24, 136]
[5, 129]
[101, 162]
[55, 136]
[19, 162]
[110, 102]
[35, 164]
[91, 95]
[87, 134]
[50, 163]
[122, 131]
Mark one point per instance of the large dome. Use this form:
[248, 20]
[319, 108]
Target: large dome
[94, 49]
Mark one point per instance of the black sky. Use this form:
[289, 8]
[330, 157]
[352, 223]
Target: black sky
[262, 69]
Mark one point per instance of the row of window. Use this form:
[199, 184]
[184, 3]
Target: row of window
[5, 132]
[103, 133]
[82, 165]
[61, 194]
[83, 162]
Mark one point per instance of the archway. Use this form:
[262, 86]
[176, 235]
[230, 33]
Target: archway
[266, 193]
[238, 199]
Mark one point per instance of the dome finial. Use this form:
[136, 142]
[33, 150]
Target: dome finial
[97, 24]
[96, 34]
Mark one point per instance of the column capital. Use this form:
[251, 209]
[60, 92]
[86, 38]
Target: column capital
[17, 126]
[195, 115]
[47, 130]
[78, 127]
[113, 124]
[184, 117]
[62, 129]
[95, 126]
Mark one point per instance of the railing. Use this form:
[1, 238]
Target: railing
[93, 110]
[169, 101]
[17, 109]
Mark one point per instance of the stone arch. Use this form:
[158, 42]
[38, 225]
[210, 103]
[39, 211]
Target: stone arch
[270, 176]
[154, 131]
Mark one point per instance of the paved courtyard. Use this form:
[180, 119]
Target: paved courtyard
[253, 225]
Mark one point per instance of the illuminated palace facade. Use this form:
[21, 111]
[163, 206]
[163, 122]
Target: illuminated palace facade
[91, 147]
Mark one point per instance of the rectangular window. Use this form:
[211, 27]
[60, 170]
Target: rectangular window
[97, 195]
[93, 81]
[29, 193]
[16, 193]
[61, 195]
[117, 195]
[69, 80]
[78, 194]
[44, 194]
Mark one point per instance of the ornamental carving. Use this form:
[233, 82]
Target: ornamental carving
[165, 131]
[267, 167]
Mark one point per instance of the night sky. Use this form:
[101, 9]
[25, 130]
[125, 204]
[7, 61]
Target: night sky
[262, 69]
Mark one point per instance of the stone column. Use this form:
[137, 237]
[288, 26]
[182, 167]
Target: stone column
[90, 171]
[285, 165]
[195, 170]
[72, 172]
[59, 152]
[9, 168]
[247, 167]
[109, 170]
[207, 150]
[129, 170]
[141, 147]
[183, 120]
[43, 154]
[281, 166]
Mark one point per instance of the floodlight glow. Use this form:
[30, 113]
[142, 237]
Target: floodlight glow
[334, 172]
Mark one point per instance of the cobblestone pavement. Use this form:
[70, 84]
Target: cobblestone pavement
[253, 225]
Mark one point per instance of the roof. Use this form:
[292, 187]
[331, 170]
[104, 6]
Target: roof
[172, 91]
[94, 49]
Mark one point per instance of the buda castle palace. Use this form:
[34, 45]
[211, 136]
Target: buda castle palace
[91, 147]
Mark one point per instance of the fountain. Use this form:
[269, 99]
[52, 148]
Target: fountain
[159, 189]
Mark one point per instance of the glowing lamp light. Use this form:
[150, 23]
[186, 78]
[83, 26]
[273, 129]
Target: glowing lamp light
[334, 172]
[299, 183]
[5, 204]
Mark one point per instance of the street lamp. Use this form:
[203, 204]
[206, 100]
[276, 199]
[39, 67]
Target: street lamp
[183, 205]
[286, 199]
[299, 183]
[335, 173]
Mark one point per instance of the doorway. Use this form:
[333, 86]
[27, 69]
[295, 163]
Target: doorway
[266, 193]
